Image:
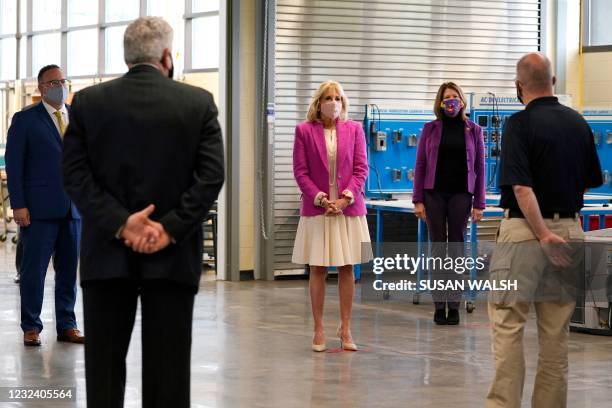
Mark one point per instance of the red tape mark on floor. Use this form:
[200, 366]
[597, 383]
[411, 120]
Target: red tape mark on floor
[339, 350]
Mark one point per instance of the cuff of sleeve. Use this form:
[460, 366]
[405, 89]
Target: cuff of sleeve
[16, 203]
[119, 232]
[176, 229]
[348, 194]
[318, 198]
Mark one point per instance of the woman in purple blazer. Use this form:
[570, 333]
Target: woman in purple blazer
[330, 166]
[448, 185]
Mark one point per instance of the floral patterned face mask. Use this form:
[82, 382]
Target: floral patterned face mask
[452, 107]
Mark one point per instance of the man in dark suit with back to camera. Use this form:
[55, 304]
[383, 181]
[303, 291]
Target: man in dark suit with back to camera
[143, 161]
[48, 221]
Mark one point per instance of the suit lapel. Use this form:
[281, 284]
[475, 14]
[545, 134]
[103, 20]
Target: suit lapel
[47, 119]
[436, 137]
[319, 135]
[469, 141]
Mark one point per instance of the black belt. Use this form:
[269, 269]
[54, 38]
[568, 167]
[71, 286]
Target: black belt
[545, 214]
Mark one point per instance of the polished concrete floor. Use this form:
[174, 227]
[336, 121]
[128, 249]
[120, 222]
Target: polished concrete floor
[251, 348]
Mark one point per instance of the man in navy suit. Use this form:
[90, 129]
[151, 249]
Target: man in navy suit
[50, 225]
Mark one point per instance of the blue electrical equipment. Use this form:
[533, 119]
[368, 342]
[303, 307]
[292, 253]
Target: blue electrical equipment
[392, 135]
[490, 111]
[601, 124]
[392, 138]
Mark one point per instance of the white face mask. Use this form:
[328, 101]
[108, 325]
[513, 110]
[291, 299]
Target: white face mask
[331, 109]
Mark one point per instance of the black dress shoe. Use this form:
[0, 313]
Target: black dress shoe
[440, 316]
[453, 317]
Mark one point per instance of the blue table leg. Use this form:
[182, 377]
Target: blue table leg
[585, 223]
[474, 255]
[379, 230]
[421, 232]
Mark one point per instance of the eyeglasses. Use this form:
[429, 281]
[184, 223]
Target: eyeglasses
[56, 82]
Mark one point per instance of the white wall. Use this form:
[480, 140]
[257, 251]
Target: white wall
[597, 81]
[594, 89]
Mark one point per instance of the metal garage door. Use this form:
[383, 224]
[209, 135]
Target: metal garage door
[385, 52]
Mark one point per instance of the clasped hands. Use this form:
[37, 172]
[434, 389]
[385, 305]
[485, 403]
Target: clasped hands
[144, 235]
[336, 207]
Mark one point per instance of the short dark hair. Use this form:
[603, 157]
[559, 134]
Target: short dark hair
[45, 69]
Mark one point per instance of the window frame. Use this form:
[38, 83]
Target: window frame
[25, 35]
[101, 25]
[14, 35]
[586, 31]
[189, 17]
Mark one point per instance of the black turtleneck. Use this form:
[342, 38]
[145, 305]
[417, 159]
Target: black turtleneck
[451, 167]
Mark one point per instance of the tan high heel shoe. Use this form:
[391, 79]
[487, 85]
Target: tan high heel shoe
[344, 345]
[318, 347]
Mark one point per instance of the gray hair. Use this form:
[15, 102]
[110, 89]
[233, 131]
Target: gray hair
[145, 40]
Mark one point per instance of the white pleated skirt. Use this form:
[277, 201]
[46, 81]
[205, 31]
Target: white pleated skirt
[332, 241]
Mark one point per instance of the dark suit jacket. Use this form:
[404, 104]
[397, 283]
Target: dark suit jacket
[137, 140]
[34, 166]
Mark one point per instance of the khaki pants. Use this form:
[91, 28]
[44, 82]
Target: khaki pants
[508, 316]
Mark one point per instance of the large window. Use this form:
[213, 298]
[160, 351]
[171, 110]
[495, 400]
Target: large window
[46, 15]
[8, 41]
[597, 32]
[82, 12]
[8, 17]
[8, 50]
[113, 46]
[122, 10]
[82, 52]
[85, 37]
[46, 49]
[202, 34]
[203, 6]
[205, 40]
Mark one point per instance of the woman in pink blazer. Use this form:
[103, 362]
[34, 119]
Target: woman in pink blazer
[330, 167]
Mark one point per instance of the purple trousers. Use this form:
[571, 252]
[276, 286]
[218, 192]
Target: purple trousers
[447, 216]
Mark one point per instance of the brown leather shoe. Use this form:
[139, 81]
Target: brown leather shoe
[31, 338]
[71, 336]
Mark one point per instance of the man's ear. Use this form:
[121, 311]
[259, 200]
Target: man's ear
[167, 58]
[554, 80]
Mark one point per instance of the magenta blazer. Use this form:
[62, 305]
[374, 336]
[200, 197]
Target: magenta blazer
[310, 166]
[427, 157]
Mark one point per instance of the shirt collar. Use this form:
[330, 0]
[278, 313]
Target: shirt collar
[52, 110]
[146, 63]
[544, 100]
